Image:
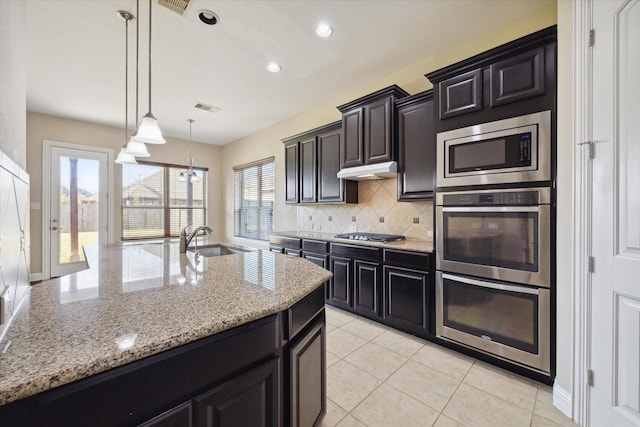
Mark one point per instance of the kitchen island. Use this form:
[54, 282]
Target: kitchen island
[145, 330]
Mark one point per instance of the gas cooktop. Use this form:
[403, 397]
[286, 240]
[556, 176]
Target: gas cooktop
[370, 237]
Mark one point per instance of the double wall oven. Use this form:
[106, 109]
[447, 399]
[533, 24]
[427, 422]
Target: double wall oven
[494, 244]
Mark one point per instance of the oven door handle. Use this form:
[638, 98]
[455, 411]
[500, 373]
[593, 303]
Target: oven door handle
[493, 209]
[498, 286]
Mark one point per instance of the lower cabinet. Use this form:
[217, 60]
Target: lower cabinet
[405, 298]
[180, 416]
[366, 297]
[341, 284]
[356, 283]
[321, 260]
[307, 382]
[251, 399]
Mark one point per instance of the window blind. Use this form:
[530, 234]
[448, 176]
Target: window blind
[254, 185]
[155, 204]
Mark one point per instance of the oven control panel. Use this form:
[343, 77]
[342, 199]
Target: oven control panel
[492, 199]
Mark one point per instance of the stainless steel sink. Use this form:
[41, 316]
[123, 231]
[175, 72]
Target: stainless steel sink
[218, 250]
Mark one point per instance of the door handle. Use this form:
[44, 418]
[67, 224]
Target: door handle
[53, 228]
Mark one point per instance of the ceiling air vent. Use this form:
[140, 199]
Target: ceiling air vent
[205, 107]
[179, 6]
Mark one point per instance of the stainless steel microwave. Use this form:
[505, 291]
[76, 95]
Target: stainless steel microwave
[514, 150]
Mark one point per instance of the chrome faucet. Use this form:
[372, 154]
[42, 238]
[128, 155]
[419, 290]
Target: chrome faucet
[185, 239]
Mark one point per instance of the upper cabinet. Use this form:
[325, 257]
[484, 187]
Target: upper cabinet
[514, 79]
[312, 162]
[368, 127]
[416, 147]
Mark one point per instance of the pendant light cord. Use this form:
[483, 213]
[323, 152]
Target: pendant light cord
[149, 56]
[137, 59]
[126, 80]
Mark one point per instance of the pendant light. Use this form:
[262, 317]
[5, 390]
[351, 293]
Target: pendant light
[190, 174]
[134, 147]
[123, 156]
[149, 131]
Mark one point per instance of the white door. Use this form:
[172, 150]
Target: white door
[615, 322]
[78, 206]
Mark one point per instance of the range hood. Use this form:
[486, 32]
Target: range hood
[367, 172]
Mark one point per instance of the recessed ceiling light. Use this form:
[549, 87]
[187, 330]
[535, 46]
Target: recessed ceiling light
[324, 30]
[274, 68]
[208, 17]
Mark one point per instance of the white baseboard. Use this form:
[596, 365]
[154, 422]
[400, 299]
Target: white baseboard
[562, 400]
[35, 277]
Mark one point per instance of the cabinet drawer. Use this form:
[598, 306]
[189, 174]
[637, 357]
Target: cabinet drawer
[304, 311]
[285, 242]
[355, 252]
[418, 260]
[317, 246]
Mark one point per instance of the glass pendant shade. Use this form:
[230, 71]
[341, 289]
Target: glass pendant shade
[137, 148]
[126, 158]
[149, 131]
[194, 178]
[182, 177]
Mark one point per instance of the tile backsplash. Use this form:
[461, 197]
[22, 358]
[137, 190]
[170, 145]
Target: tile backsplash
[377, 211]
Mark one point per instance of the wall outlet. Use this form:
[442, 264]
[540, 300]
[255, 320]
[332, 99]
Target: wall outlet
[430, 234]
[353, 227]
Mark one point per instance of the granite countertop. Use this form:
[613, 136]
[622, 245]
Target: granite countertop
[138, 300]
[408, 244]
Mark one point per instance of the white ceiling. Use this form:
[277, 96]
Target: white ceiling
[76, 56]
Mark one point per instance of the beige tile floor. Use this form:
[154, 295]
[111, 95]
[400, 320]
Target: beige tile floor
[377, 376]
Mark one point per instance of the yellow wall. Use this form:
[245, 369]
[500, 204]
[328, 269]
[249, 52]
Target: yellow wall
[41, 127]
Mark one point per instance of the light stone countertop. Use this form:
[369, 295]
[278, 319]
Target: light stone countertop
[408, 244]
[70, 327]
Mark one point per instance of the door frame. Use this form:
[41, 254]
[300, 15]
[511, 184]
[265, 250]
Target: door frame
[582, 200]
[47, 145]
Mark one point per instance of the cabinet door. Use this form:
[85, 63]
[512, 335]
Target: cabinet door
[460, 94]
[517, 78]
[251, 399]
[308, 383]
[291, 178]
[180, 416]
[341, 284]
[406, 298]
[308, 170]
[416, 151]
[352, 143]
[330, 188]
[367, 287]
[378, 131]
[322, 261]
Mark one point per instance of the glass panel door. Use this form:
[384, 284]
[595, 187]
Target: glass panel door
[78, 206]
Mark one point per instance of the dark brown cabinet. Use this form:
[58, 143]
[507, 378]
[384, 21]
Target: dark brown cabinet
[180, 416]
[291, 172]
[308, 170]
[416, 147]
[461, 94]
[316, 251]
[341, 284]
[311, 177]
[366, 295]
[250, 399]
[356, 282]
[308, 384]
[516, 78]
[408, 291]
[353, 129]
[368, 127]
[510, 80]
[285, 244]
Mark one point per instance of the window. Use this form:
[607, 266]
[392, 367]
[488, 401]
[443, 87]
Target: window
[155, 204]
[253, 199]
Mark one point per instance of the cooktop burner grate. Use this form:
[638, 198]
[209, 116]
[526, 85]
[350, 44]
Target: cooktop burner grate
[370, 237]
